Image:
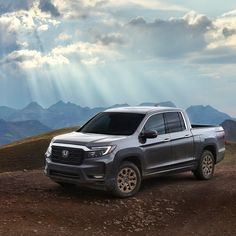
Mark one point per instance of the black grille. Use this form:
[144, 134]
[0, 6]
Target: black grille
[75, 155]
[64, 174]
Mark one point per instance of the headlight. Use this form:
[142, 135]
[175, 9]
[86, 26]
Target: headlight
[49, 150]
[100, 151]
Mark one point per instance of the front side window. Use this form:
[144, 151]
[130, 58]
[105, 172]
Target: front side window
[113, 123]
[174, 122]
[155, 122]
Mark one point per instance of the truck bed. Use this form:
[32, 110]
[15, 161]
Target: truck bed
[199, 126]
[208, 131]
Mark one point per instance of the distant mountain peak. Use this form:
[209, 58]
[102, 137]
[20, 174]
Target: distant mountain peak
[201, 114]
[33, 106]
[60, 103]
[63, 105]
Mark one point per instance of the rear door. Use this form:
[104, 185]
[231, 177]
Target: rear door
[157, 151]
[182, 144]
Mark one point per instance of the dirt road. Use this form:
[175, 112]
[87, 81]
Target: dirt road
[173, 205]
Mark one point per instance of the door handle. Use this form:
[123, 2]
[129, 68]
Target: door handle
[166, 140]
[187, 135]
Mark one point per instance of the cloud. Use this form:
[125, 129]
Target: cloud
[221, 42]
[86, 51]
[171, 38]
[19, 25]
[43, 28]
[93, 61]
[146, 4]
[7, 6]
[228, 32]
[8, 28]
[48, 6]
[230, 14]
[63, 37]
[224, 32]
[71, 9]
[193, 37]
[31, 18]
[221, 55]
[31, 59]
[225, 59]
[110, 38]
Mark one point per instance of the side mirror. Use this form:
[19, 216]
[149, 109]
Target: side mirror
[149, 134]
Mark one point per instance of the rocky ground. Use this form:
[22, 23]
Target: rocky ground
[169, 205]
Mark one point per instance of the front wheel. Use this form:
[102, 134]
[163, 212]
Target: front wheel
[206, 166]
[127, 180]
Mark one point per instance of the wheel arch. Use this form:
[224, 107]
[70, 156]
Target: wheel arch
[135, 160]
[133, 155]
[212, 149]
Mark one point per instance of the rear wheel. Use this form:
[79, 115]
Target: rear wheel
[127, 180]
[206, 166]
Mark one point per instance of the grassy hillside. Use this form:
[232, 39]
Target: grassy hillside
[27, 153]
[230, 157]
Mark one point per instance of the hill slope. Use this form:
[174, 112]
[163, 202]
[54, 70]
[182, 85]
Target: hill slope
[28, 153]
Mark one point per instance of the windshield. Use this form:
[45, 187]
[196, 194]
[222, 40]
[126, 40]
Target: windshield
[113, 123]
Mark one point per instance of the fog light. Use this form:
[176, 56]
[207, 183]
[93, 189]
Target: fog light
[98, 176]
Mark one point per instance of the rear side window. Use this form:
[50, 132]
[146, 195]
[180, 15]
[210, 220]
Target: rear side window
[156, 122]
[174, 122]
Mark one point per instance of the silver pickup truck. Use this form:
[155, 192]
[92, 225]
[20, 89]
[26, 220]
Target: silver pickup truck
[120, 147]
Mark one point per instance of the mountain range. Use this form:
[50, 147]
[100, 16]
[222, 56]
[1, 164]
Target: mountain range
[12, 131]
[37, 119]
[206, 115]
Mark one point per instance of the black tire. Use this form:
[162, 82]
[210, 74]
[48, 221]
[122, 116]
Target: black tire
[206, 166]
[127, 180]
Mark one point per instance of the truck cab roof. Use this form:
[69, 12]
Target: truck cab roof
[142, 109]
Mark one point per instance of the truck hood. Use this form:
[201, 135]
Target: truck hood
[86, 138]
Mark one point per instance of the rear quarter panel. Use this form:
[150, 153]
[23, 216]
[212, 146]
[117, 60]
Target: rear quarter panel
[212, 136]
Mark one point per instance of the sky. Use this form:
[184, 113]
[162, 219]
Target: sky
[105, 52]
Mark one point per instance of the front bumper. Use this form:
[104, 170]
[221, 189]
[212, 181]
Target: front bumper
[96, 173]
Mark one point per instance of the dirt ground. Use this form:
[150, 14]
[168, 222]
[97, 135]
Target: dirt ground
[31, 204]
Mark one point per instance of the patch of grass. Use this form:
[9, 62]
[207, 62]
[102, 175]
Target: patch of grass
[230, 156]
